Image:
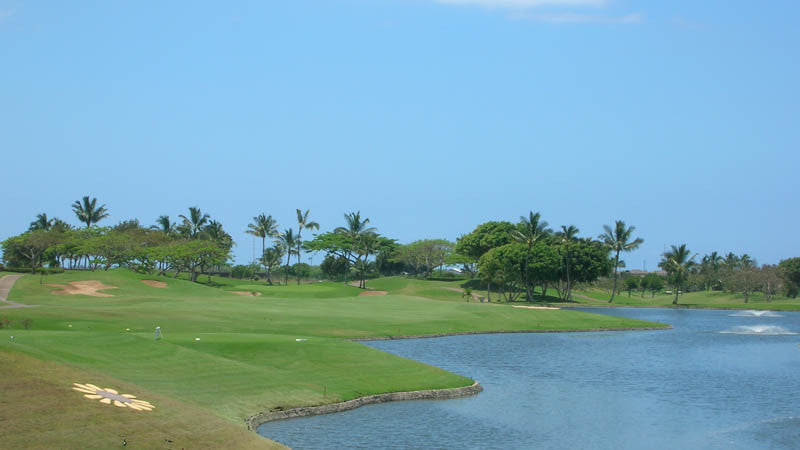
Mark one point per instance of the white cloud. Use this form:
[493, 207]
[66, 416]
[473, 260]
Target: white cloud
[522, 4]
[580, 18]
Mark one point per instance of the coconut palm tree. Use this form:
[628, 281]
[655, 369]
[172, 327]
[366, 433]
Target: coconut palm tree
[303, 222]
[216, 233]
[530, 230]
[60, 225]
[732, 261]
[747, 261]
[289, 242]
[355, 230]
[194, 223]
[41, 223]
[164, 225]
[263, 226]
[88, 212]
[710, 266]
[677, 263]
[566, 235]
[618, 239]
[355, 226]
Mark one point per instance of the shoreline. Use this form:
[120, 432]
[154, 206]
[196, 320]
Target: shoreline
[253, 422]
[468, 333]
[678, 306]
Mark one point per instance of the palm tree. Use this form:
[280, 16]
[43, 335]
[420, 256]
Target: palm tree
[355, 226]
[303, 222]
[163, 224]
[568, 234]
[732, 261]
[710, 266]
[60, 225]
[216, 233]
[618, 239]
[263, 226]
[41, 223]
[747, 261]
[678, 264]
[88, 212]
[289, 242]
[355, 230]
[193, 224]
[530, 230]
[271, 258]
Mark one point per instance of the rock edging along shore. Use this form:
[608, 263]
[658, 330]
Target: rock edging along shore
[430, 394]
[466, 333]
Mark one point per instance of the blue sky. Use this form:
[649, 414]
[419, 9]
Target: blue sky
[429, 117]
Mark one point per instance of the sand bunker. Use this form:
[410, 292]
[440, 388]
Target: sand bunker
[370, 293]
[89, 288]
[536, 307]
[155, 284]
[246, 293]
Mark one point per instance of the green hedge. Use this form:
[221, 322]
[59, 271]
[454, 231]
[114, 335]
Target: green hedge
[39, 270]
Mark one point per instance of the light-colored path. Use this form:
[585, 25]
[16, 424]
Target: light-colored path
[5, 286]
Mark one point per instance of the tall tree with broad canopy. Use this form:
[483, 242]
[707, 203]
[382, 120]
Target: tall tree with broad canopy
[618, 239]
[588, 261]
[88, 212]
[425, 254]
[677, 263]
[790, 272]
[530, 230]
[483, 238]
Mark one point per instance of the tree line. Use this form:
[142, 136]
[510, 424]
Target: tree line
[511, 259]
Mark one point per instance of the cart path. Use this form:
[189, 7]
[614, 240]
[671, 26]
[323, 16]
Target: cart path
[5, 286]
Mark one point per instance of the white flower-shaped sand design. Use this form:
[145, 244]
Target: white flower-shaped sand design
[110, 396]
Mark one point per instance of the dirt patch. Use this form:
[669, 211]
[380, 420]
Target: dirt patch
[155, 284]
[536, 307]
[89, 288]
[371, 293]
[475, 296]
[246, 293]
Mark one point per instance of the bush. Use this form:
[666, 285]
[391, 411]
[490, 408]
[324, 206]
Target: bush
[39, 270]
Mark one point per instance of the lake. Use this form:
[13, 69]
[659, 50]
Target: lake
[718, 380]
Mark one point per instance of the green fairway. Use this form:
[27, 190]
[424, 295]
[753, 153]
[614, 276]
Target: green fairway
[233, 356]
[700, 299]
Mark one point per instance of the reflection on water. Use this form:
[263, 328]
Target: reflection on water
[754, 313]
[764, 330]
[689, 387]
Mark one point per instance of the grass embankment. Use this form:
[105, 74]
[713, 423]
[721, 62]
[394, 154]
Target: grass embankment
[247, 360]
[701, 299]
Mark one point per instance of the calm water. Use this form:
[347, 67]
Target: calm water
[719, 380]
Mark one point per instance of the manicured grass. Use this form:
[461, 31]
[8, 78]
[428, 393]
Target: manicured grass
[248, 358]
[701, 299]
[38, 409]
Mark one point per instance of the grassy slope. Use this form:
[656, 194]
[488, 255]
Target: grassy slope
[38, 410]
[705, 299]
[247, 359]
